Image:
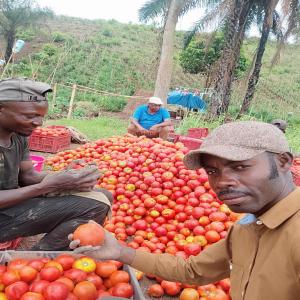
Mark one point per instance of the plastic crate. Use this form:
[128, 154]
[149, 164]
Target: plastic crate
[197, 133]
[190, 143]
[51, 144]
[6, 256]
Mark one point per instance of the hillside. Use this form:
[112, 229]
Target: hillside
[122, 58]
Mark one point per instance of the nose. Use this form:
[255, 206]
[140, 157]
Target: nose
[225, 180]
[38, 121]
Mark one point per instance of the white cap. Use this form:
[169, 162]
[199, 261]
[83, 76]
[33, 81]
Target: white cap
[155, 100]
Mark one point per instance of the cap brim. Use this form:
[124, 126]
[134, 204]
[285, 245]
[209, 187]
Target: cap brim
[193, 160]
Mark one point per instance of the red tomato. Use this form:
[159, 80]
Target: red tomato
[17, 264]
[189, 294]
[119, 276]
[170, 288]
[89, 234]
[55, 264]
[75, 275]
[67, 281]
[123, 290]
[38, 286]
[32, 296]
[36, 264]
[56, 291]
[96, 280]
[85, 290]
[50, 273]
[66, 260]
[28, 273]
[10, 277]
[105, 269]
[155, 290]
[15, 290]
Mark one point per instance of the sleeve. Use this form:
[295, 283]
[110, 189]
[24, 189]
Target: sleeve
[137, 113]
[165, 114]
[25, 149]
[211, 265]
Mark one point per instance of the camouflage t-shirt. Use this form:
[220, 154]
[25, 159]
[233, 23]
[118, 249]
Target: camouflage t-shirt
[10, 160]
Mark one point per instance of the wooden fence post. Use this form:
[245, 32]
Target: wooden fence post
[54, 95]
[72, 101]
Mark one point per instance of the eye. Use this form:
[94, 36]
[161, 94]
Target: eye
[210, 171]
[240, 167]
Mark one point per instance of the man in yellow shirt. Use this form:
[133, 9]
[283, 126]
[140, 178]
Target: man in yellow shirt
[248, 165]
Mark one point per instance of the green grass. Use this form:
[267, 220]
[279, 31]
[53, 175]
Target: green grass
[94, 129]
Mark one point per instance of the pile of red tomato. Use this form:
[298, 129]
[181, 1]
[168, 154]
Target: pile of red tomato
[63, 278]
[160, 206]
[51, 131]
[296, 171]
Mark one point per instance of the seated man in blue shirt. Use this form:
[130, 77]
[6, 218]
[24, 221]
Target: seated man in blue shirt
[151, 120]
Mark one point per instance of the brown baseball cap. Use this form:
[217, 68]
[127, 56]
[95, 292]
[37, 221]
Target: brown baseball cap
[238, 141]
[23, 89]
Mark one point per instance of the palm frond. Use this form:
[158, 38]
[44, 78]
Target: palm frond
[152, 9]
[192, 4]
[214, 18]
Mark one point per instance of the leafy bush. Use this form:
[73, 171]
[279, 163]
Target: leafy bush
[26, 35]
[199, 56]
[50, 50]
[112, 103]
[59, 37]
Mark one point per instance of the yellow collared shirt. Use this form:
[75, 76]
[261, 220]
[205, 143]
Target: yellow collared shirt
[261, 258]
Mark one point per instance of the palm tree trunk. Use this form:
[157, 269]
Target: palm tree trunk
[165, 67]
[228, 61]
[10, 40]
[267, 25]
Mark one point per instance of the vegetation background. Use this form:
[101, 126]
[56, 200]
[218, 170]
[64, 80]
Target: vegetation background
[123, 58]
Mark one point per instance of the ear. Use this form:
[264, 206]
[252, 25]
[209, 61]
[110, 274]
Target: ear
[285, 161]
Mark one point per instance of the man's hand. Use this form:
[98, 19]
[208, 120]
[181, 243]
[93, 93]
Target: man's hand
[110, 249]
[78, 180]
[154, 128]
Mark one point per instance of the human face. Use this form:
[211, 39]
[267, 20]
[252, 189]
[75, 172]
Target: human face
[250, 186]
[153, 108]
[22, 117]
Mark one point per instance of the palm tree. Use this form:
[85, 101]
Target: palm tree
[291, 11]
[270, 20]
[170, 10]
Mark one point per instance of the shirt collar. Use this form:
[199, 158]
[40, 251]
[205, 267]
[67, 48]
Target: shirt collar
[282, 210]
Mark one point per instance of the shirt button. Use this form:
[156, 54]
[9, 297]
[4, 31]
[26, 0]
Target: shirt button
[259, 222]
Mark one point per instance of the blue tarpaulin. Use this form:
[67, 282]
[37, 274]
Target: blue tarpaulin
[188, 100]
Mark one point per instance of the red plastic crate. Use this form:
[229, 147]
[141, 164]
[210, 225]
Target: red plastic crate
[190, 143]
[51, 144]
[197, 133]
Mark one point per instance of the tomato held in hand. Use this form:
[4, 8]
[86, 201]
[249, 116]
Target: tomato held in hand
[89, 234]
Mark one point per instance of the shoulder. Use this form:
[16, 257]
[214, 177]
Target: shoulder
[18, 139]
[141, 107]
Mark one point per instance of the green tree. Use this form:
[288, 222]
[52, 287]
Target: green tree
[170, 11]
[15, 14]
[270, 20]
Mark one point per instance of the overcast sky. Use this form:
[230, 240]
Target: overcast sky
[121, 10]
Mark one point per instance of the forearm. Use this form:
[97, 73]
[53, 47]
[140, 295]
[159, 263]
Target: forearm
[33, 178]
[136, 123]
[163, 124]
[12, 197]
[202, 269]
